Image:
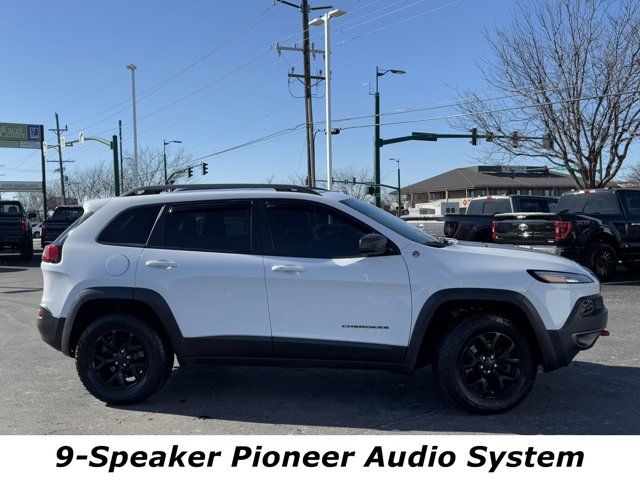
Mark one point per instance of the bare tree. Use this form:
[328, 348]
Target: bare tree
[633, 176]
[570, 69]
[151, 166]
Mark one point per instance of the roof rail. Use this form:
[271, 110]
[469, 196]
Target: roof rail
[155, 189]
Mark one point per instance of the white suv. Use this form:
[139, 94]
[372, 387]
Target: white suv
[286, 275]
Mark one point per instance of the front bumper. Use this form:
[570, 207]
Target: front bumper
[50, 328]
[580, 332]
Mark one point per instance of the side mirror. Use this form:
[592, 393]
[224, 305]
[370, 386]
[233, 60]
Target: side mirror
[373, 244]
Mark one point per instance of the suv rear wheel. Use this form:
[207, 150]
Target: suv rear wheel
[485, 364]
[121, 359]
[603, 261]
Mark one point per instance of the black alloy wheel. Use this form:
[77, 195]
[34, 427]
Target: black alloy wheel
[122, 359]
[486, 363]
[119, 359]
[489, 365]
[603, 261]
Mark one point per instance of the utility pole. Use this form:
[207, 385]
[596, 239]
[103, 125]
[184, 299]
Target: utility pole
[324, 20]
[120, 145]
[44, 173]
[58, 130]
[306, 80]
[136, 174]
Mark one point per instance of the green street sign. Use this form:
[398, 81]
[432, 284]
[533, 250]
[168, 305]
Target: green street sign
[20, 135]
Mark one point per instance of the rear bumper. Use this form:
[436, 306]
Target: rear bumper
[580, 332]
[50, 328]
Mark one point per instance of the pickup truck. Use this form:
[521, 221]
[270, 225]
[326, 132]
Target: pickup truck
[597, 228]
[475, 224]
[15, 231]
[58, 222]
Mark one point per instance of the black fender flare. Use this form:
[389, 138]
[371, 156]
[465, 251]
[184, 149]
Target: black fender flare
[152, 299]
[426, 316]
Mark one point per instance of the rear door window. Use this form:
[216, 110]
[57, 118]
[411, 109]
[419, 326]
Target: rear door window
[211, 227]
[631, 202]
[601, 204]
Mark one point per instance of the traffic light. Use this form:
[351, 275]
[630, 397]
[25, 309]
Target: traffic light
[547, 141]
[353, 180]
[190, 172]
[474, 136]
[205, 168]
[514, 139]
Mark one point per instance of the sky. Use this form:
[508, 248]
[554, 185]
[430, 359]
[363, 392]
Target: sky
[208, 75]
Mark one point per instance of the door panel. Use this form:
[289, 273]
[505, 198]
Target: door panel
[205, 262]
[325, 299]
[354, 300]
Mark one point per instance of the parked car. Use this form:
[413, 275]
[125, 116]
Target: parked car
[475, 224]
[15, 231]
[594, 227]
[288, 275]
[58, 222]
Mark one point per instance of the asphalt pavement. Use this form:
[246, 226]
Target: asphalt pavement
[41, 393]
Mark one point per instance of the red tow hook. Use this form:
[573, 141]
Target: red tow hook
[605, 333]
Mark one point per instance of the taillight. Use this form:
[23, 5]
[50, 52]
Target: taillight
[42, 229]
[23, 224]
[562, 230]
[51, 254]
[494, 234]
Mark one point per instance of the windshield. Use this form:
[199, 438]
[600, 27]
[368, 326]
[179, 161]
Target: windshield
[390, 221]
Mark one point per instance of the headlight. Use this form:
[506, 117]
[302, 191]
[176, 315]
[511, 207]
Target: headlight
[547, 276]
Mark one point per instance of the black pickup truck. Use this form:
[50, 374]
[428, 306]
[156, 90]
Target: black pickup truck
[15, 231]
[58, 222]
[475, 225]
[597, 228]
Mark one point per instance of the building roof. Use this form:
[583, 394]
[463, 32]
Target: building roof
[491, 177]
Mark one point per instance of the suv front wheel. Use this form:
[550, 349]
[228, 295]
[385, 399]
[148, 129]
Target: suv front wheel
[485, 364]
[122, 360]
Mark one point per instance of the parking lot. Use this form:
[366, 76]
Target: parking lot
[41, 393]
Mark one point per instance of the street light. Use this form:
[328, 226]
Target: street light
[324, 20]
[136, 173]
[376, 161]
[164, 155]
[397, 160]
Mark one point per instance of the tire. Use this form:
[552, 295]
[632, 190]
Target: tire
[26, 252]
[468, 375]
[105, 347]
[602, 260]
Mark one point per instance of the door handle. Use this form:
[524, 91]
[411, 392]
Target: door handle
[288, 268]
[163, 264]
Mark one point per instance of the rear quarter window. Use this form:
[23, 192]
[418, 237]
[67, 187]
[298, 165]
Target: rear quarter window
[131, 227]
